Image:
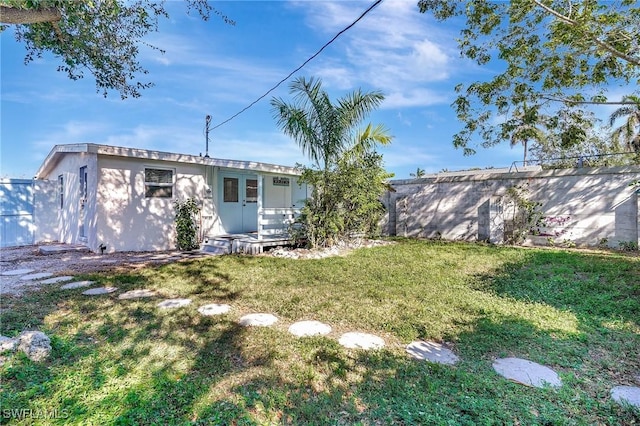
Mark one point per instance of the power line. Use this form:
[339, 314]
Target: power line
[347, 28]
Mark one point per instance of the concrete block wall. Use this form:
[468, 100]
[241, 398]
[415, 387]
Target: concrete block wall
[587, 206]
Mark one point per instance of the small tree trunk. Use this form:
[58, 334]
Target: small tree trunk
[14, 15]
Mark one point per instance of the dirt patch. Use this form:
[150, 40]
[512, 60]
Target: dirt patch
[75, 262]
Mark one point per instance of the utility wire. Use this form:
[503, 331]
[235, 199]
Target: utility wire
[369, 9]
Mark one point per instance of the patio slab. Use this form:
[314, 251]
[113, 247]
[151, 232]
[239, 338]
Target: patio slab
[432, 352]
[309, 328]
[526, 372]
[357, 340]
[36, 276]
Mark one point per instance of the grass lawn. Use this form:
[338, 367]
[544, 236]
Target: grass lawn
[128, 362]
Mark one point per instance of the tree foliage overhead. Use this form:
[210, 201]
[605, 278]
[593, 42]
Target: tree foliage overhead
[551, 50]
[102, 37]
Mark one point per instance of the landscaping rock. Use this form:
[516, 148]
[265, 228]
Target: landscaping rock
[258, 320]
[214, 309]
[626, 395]
[99, 290]
[174, 303]
[356, 340]
[35, 344]
[432, 352]
[526, 372]
[15, 272]
[77, 284]
[56, 280]
[7, 344]
[137, 294]
[309, 328]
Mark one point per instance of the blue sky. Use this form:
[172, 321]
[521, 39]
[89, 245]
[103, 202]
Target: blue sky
[217, 69]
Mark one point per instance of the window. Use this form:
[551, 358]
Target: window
[61, 190]
[251, 190]
[230, 192]
[158, 183]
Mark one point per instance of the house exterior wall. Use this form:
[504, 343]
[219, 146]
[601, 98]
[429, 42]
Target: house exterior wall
[62, 224]
[126, 220]
[586, 206]
[16, 212]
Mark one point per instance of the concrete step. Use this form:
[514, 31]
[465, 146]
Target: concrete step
[216, 246]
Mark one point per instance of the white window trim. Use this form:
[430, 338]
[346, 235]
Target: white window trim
[172, 184]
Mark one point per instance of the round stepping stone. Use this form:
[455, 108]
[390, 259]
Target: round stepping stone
[137, 294]
[432, 352]
[626, 395]
[56, 280]
[214, 309]
[77, 284]
[36, 276]
[258, 320]
[14, 272]
[99, 290]
[173, 303]
[526, 372]
[357, 340]
[309, 328]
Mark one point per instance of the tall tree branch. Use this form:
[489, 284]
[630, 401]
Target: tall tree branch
[15, 15]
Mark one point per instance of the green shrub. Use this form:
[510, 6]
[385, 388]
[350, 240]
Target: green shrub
[187, 224]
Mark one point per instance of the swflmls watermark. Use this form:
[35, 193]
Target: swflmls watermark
[28, 413]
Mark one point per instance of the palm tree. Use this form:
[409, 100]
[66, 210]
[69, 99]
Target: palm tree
[418, 173]
[524, 128]
[629, 131]
[325, 130]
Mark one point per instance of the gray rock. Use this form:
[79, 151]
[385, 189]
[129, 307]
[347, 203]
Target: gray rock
[357, 340]
[35, 344]
[7, 344]
[431, 351]
[626, 395]
[309, 328]
[258, 320]
[526, 372]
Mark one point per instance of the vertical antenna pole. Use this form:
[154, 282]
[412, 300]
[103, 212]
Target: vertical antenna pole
[206, 131]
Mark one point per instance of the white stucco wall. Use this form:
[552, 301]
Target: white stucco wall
[63, 225]
[594, 204]
[126, 220]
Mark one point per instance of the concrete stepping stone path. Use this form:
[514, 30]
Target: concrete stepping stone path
[77, 284]
[214, 309]
[99, 290]
[36, 276]
[56, 280]
[526, 372]
[432, 352]
[137, 294]
[357, 340]
[309, 328]
[258, 320]
[626, 395]
[174, 303]
[15, 272]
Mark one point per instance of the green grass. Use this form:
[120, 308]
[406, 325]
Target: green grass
[127, 362]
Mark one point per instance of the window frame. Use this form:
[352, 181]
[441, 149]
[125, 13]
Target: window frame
[159, 186]
[61, 191]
